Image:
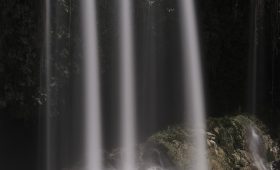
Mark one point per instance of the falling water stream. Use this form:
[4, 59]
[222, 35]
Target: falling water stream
[193, 88]
[128, 124]
[256, 144]
[93, 142]
[256, 148]
[195, 109]
[48, 77]
[194, 95]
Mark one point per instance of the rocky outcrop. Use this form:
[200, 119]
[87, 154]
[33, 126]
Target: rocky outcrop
[233, 141]
[229, 146]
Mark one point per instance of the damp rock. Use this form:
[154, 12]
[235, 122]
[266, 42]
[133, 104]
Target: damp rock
[226, 139]
[275, 165]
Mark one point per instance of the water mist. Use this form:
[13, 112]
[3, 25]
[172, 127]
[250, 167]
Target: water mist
[194, 95]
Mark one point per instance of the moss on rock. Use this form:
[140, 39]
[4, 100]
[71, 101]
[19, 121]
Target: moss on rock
[227, 141]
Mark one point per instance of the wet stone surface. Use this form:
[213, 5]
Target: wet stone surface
[227, 140]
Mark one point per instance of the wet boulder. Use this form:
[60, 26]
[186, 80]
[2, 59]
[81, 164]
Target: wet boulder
[229, 144]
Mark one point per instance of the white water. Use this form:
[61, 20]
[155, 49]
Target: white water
[194, 94]
[255, 147]
[93, 142]
[128, 128]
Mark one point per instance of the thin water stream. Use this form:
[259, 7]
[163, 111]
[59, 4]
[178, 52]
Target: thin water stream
[48, 77]
[93, 136]
[127, 86]
[194, 93]
[256, 147]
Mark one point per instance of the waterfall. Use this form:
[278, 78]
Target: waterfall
[60, 142]
[93, 143]
[255, 146]
[195, 109]
[194, 95]
[48, 163]
[256, 51]
[127, 91]
[255, 141]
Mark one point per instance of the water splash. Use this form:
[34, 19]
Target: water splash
[128, 131]
[255, 146]
[93, 143]
[194, 94]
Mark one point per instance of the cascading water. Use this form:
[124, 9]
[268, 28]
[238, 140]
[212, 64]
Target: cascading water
[128, 132]
[255, 146]
[93, 132]
[93, 143]
[194, 96]
[255, 141]
[195, 109]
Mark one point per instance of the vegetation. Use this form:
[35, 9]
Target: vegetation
[228, 141]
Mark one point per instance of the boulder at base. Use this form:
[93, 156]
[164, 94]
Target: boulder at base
[228, 141]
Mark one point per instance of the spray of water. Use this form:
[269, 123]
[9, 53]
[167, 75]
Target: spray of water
[194, 94]
[128, 131]
[255, 146]
[93, 143]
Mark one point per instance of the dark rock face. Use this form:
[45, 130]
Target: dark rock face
[276, 165]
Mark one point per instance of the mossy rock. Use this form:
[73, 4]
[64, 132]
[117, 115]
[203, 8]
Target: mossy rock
[227, 141]
[228, 144]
